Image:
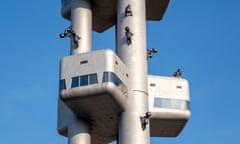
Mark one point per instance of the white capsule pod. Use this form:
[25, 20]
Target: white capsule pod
[169, 105]
[94, 86]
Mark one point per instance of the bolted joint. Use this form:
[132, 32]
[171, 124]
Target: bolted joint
[145, 120]
[128, 11]
[129, 35]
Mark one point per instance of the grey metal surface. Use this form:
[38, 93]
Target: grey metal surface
[105, 16]
[93, 62]
[98, 111]
[78, 131]
[133, 54]
[63, 118]
[94, 100]
[100, 104]
[166, 127]
[167, 87]
[81, 20]
[172, 113]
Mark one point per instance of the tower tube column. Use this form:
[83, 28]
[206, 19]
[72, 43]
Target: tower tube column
[131, 48]
[78, 131]
[81, 18]
[81, 42]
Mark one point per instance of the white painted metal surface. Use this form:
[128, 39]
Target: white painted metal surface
[77, 130]
[81, 18]
[168, 104]
[104, 12]
[134, 56]
[105, 97]
[99, 99]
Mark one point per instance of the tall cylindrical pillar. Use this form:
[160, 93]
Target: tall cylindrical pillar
[81, 17]
[131, 48]
[81, 42]
[78, 131]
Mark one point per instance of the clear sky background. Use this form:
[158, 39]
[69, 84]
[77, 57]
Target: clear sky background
[200, 37]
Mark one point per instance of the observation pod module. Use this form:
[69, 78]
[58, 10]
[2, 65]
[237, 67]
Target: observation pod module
[168, 104]
[94, 86]
[105, 12]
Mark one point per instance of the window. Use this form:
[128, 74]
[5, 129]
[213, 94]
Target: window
[171, 103]
[84, 80]
[62, 84]
[93, 79]
[111, 77]
[75, 82]
[106, 77]
[116, 80]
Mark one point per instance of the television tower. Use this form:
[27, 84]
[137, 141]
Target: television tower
[106, 96]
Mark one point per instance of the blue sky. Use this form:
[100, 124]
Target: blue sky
[200, 37]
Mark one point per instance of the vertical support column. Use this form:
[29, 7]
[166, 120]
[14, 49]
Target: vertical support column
[81, 17]
[78, 131]
[81, 42]
[131, 48]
